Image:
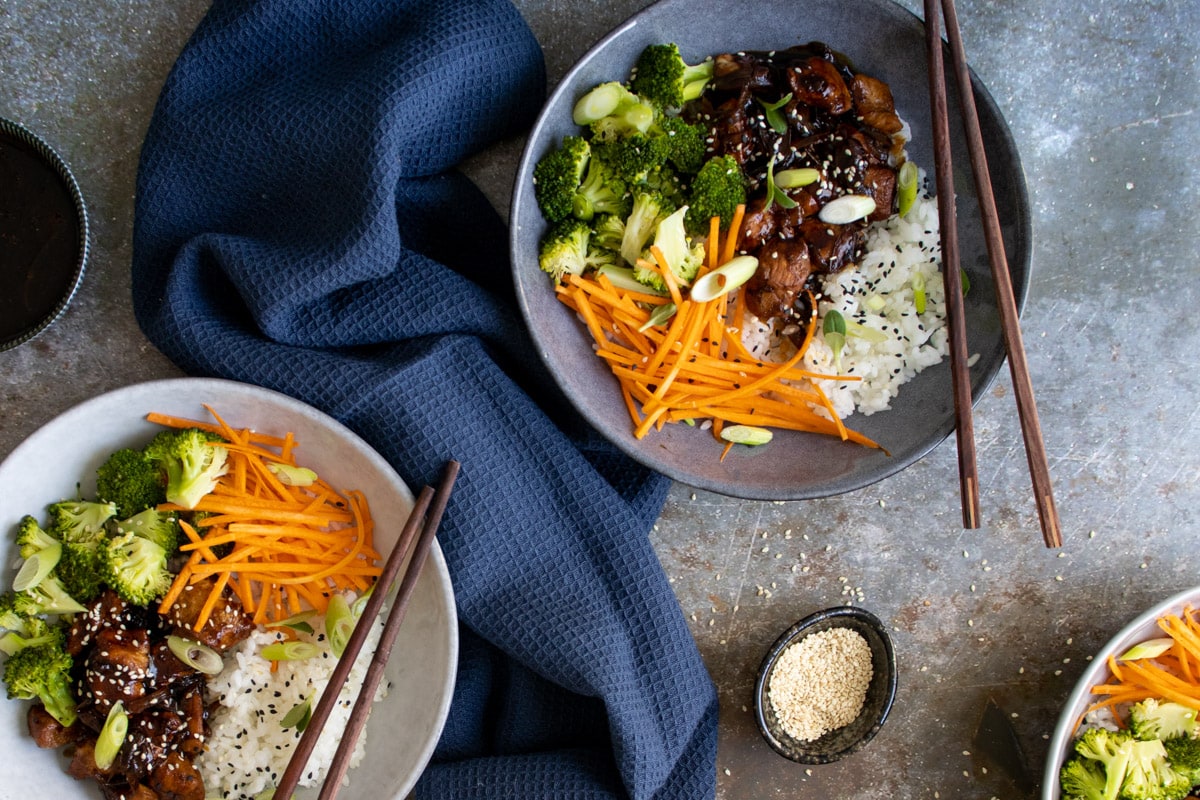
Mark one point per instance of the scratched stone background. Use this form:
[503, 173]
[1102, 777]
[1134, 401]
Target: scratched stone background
[1102, 103]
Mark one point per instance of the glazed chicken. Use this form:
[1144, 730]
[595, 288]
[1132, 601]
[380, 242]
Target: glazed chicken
[836, 121]
[121, 655]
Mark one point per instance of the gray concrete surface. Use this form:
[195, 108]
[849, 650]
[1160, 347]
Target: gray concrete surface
[1102, 102]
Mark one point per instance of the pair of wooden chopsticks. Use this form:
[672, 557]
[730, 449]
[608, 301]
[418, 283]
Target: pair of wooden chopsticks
[1035, 450]
[426, 516]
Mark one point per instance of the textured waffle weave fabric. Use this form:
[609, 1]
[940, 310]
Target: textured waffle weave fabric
[299, 225]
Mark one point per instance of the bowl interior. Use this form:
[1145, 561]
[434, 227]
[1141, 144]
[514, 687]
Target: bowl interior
[881, 692]
[1142, 627]
[883, 40]
[405, 725]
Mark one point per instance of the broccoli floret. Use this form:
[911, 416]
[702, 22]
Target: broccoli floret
[557, 176]
[1150, 776]
[1110, 749]
[131, 481]
[633, 158]
[1155, 719]
[193, 461]
[649, 208]
[160, 527]
[16, 609]
[80, 520]
[608, 231]
[683, 257]
[716, 191]
[601, 192]
[135, 568]
[42, 673]
[1183, 753]
[1082, 779]
[48, 597]
[36, 632]
[80, 571]
[31, 538]
[662, 76]
[684, 143]
[564, 248]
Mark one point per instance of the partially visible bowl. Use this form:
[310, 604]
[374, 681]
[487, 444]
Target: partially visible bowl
[1142, 627]
[881, 691]
[883, 40]
[43, 235]
[404, 727]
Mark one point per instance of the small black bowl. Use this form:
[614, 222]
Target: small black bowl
[43, 235]
[881, 692]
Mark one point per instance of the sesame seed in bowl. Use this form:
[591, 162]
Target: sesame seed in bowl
[826, 685]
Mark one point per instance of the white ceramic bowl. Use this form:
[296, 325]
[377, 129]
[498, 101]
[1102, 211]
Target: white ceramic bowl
[404, 726]
[1141, 628]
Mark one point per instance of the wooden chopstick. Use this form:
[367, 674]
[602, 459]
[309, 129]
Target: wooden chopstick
[308, 740]
[366, 694]
[1035, 450]
[960, 373]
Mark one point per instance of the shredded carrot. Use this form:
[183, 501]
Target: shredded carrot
[695, 369]
[274, 546]
[1174, 675]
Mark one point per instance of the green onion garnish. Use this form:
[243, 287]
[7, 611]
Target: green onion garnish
[37, 567]
[339, 624]
[290, 651]
[112, 736]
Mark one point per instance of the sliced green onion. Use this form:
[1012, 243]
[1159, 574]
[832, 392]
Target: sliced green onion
[600, 102]
[37, 567]
[746, 434]
[774, 118]
[906, 187]
[298, 717]
[774, 193]
[622, 278]
[875, 303]
[658, 316]
[297, 622]
[834, 329]
[1151, 648]
[360, 605]
[292, 476]
[112, 736]
[918, 287]
[846, 209]
[290, 651]
[860, 331]
[725, 278]
[795, 178]
[197, 656]
[339, 624]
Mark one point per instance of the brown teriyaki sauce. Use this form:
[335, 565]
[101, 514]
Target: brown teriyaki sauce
[39, 240]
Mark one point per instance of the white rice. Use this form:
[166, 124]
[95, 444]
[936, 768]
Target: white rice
[249, 748]
[878, 294]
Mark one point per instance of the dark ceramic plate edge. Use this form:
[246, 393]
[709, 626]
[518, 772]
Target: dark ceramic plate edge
[551, 124]
[887, 681]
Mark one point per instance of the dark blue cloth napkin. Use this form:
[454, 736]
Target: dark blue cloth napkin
[299, 225]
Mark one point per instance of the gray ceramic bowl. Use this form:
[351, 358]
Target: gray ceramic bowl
[44, 232]
[883, 40]
[404, 726]
[880, 693]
